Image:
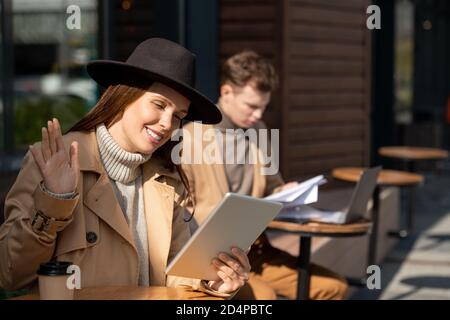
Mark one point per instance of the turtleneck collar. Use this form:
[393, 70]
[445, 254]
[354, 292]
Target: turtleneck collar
[121, 165]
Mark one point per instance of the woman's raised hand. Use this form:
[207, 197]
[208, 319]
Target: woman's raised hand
[59, 169]
[233, 271]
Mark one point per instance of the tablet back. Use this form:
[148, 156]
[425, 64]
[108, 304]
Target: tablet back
[236, 221]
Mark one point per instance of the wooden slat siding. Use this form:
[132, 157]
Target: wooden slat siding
[324, 164]
[326, 94]
[319, 16]
[263, 46]
[286, 146]
[247, 25]
[353, 5]
[326, 67]
[321, 52]
[310, 49]
[327, 83]
[318, 32]
[260, 11]
[254, 25]
[334, 149]
[327, 87]
[367, 90]
[313, 118]
[326, 99]
[255, 30]
[329, 132]
[259, 16]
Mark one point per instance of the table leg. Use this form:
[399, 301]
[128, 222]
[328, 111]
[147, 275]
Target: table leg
[373, 239]
[412, 196]
[403, 233]
[303, 268]
[411, 210]
[374, 234]
[411, 166]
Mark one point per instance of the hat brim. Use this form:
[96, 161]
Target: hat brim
[109, 72]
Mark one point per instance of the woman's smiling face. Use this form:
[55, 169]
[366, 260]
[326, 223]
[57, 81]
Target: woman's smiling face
[148, 122]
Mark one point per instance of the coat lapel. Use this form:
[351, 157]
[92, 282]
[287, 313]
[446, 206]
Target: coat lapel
[101, 198]
[159, 205]
[218, 169]
[102, 201]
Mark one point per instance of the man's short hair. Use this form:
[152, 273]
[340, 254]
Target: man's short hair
[248, 66]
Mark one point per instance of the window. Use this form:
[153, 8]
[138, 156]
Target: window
[49, 65]
[2, 138]
[404, 63]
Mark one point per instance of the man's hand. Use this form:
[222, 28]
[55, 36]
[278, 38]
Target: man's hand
[288, 185]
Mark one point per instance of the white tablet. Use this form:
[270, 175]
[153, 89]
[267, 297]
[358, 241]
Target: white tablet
[236, 221]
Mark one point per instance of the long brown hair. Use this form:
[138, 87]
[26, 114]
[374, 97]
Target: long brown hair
[110, 108]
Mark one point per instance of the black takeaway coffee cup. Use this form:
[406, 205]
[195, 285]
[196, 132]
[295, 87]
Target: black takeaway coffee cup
[53, 278]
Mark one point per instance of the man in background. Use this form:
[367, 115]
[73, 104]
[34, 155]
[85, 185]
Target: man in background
[247, 82]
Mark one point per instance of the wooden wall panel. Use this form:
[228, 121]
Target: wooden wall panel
[326, 86]
[253, 25]
[326, 66]
[248, 24]
[325, 133]
[321, 49]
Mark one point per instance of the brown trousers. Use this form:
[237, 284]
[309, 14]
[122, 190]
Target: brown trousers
[274, 273]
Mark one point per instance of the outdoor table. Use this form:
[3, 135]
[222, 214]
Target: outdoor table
[413, 154]
[315, 229]
[133, 293]
[385, 178]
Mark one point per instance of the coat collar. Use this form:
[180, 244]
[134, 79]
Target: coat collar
[90, 157]
[159, 197]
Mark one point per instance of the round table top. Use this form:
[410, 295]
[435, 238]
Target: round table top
[132, 293]
[319, 229]
[385, 177]
[413, 153]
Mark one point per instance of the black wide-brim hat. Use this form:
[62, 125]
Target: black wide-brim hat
[159, 60]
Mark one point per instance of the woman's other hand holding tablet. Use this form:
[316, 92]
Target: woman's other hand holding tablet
[233, 271]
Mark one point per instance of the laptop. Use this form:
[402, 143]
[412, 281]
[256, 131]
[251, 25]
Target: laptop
[356, 209]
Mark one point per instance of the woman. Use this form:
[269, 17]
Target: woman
[113, 204]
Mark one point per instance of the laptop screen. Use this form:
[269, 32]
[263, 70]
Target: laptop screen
[361, 196]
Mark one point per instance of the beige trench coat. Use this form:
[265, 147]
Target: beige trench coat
[208, 182]
[90, 230]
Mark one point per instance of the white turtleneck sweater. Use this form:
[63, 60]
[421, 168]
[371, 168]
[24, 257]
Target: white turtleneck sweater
[125, 173]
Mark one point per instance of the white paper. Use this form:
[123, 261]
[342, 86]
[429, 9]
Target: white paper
[307, 213]
[304, 193]
[295, 202]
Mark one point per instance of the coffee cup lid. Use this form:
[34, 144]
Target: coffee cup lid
[53, 268]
